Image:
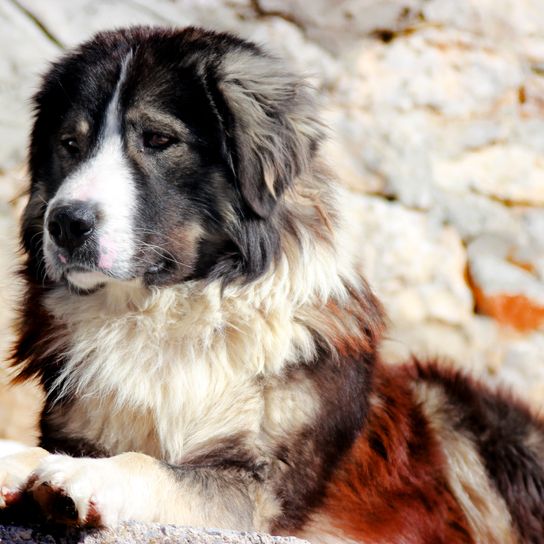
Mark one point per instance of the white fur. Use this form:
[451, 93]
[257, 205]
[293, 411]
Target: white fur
[7, 447]
[13, 475]
[131, 486]
[96, 482]
[104, 180]
[483, 506]
[15, 470]
[320, 530]
[116, 488]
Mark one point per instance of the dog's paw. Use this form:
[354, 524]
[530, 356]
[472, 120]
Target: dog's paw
[15, 472]
[13, 478]
[81, 492]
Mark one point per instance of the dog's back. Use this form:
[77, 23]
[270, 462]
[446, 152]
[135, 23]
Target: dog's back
[442, 458]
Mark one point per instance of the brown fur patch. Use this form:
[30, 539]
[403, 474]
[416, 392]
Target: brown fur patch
[509, 439]
[305, 460]
[39, 343]
[482, 503]
[391, 486]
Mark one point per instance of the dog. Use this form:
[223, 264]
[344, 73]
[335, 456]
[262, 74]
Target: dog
[205, 340]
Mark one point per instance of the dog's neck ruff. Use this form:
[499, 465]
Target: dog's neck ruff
[126, 332]
[187, 364]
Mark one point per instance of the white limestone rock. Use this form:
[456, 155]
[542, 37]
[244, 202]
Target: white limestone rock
[415, 264]
[337, 24]
[25, 53]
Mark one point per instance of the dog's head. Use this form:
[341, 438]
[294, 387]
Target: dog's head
[163, 155]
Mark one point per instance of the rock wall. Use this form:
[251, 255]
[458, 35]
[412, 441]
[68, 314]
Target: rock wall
[436, 109]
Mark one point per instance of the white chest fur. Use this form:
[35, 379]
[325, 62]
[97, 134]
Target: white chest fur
[165, 372]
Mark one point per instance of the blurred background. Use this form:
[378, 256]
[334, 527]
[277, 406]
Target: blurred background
[436, 109]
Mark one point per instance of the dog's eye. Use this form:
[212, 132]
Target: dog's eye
[158, 141]
[71, 145]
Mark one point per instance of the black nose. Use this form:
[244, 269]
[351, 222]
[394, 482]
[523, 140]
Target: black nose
[71, 225]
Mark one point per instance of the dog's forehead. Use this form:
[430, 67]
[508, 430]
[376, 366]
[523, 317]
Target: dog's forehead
[143, 81]
[161, 58]
[168, 67]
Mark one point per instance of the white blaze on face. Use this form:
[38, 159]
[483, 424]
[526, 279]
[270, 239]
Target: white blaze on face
[105, 182]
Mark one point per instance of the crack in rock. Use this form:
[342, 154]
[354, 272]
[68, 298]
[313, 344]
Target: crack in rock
[42, 27]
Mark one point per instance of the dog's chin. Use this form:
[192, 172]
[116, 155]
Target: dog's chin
[86, 281]
[83, 281]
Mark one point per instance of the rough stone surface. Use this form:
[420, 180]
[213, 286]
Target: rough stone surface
[436, 111]
[131, 533]
[19, 406]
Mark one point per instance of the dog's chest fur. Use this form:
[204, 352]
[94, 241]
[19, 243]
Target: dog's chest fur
[170, 372]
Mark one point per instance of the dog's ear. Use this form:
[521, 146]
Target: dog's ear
[271, 125]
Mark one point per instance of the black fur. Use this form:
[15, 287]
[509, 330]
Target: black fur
[310, 457]
[510, 441]
[212, 162]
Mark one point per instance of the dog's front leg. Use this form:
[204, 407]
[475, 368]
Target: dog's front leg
[134, 486]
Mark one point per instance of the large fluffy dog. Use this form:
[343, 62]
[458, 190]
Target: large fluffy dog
[207, 346]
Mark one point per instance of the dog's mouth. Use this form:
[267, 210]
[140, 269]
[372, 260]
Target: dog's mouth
[82, 279]
[91, 267]
[85, 279]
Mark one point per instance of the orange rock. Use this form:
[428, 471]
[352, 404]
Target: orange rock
[524, 265]
[516, 311]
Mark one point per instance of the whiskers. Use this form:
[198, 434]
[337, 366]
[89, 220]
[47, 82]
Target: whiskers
[161, 252]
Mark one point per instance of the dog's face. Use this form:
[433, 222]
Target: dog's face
[162, 155]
